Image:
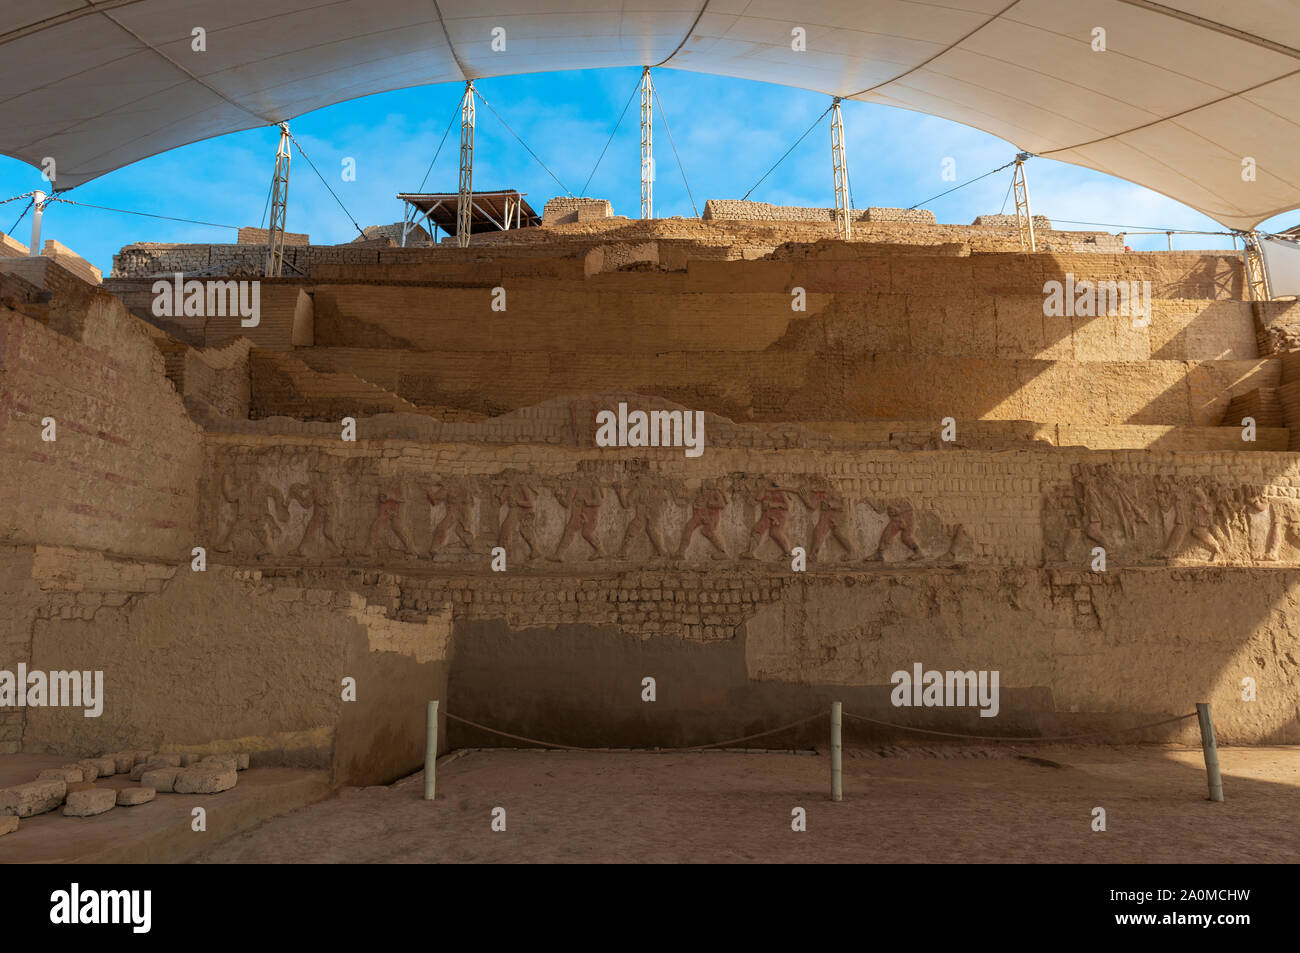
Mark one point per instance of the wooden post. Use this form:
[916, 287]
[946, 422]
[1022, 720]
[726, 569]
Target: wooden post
[837, 749]
[430, 750]
[1210, 750]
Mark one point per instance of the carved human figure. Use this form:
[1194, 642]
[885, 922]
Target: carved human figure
[646, 497]
[706, 515]
[832, 518]
[453, 494]
[959, 546]
[1202, 520]
[774, 513]
[1092, 505]
[520, 500]
[1175, 512]
[1257, 502]
[902, 523]
[1131, 513]
[1172, 515]
[389, 520]
[320, 523]
[1232, 513]
[1067, 500]
[583, 501]
[250, 515]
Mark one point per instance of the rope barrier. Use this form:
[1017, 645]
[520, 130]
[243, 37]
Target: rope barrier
[949, 734]
[16, 198]
[524, 144]
[611, 137]
[360, 231]
[836, 713]
[716, 744]
[804, 721]
[664, 116]
[816, 122]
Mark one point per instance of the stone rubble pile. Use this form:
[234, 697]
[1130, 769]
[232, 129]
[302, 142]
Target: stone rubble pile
[73, 786]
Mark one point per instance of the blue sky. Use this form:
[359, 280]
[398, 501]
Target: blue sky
[728, 132]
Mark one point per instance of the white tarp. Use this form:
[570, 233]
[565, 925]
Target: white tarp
[1186, 97]
[1282, 265]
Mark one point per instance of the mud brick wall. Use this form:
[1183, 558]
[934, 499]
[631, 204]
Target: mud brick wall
[46, 273]
[250, 235]
[1011, 591]
[1041, 222]
[564, 209]
[1014, 509]
[226, 658]
[874, 325]
[122, 474]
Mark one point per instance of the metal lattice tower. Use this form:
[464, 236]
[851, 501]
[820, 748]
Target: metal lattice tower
[279, 207]
[1256, 274]
[466, 199]
[1024, 218]
[647, 146]
[839, 165]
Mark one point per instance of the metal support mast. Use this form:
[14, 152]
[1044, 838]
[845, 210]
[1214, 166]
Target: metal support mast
[1024, 218]
[464, 206]
[647, 146]
[839, 166]
[39, 201]
[1256, 274]
[279, 207]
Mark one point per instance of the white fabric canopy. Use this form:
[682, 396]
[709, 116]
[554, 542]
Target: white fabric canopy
[1282, 262]
[1186, 91]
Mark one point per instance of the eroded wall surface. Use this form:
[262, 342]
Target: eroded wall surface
[475, 545]
[948, 558]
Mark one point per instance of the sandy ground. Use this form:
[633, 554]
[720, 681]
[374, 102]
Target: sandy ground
[900, 805]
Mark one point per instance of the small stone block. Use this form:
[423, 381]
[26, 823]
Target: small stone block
[129, 797]
[204, 779]
[137, 772]
[68, 775]
[123, 761]
[90, 802]
[164, 761]
[37, 797]
[89, 768]
[161, 777]
[8, 824]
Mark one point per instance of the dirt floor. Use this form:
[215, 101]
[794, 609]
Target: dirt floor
[1027, 804]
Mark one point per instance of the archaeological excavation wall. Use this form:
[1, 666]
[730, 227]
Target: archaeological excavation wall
[616, 568]
[97, 527]
[477, 545]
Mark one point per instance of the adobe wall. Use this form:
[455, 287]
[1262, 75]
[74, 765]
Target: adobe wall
[749, 237]
[873, 322]
[1075, 653]
[1002, 579]
[122, 474]
[739, 209]
[230, 660]
[564, 209]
